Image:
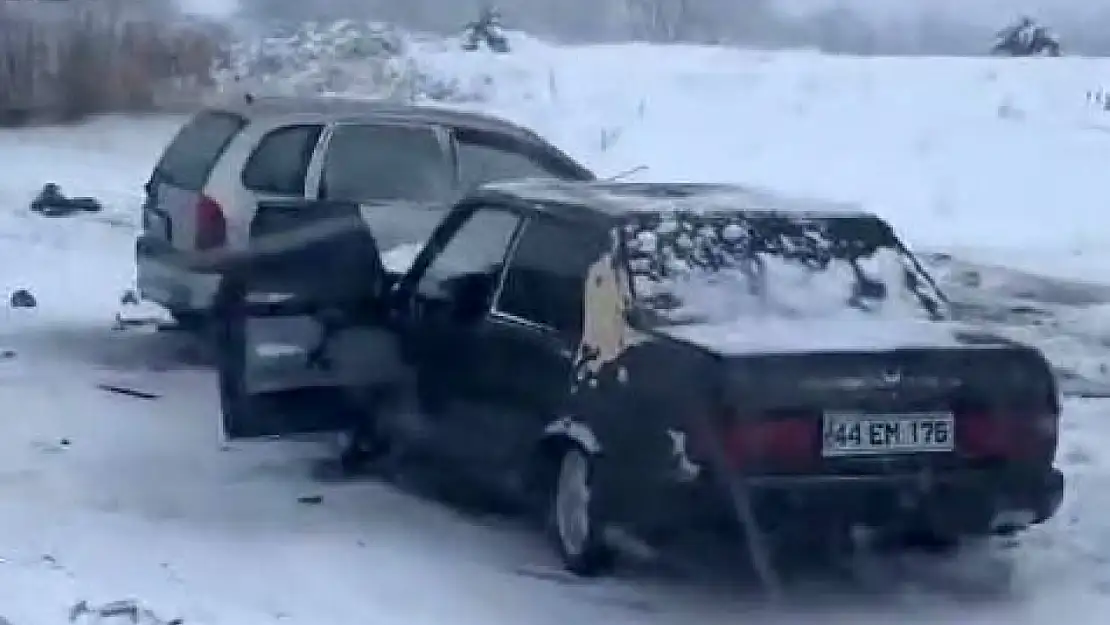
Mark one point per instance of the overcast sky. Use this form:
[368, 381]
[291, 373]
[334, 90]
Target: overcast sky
[979, 11]
[886, 27]
[214, 8]
[984, 11]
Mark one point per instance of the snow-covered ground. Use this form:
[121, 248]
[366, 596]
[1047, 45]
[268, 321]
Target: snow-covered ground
[106, 496]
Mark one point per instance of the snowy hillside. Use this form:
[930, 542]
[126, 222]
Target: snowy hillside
[959, 153]
[106, 496]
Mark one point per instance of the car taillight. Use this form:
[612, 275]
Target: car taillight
[211, 225]
[1007, 437]
[771, 443]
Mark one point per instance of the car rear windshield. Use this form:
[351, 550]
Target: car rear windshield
[718, 268]
[191, 156]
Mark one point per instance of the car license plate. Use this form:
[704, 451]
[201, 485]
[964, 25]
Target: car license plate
[853, 434]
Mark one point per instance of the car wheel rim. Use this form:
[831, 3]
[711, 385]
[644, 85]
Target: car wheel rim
[572, 503]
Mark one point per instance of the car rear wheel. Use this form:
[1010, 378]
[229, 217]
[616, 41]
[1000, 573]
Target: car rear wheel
[575, 527]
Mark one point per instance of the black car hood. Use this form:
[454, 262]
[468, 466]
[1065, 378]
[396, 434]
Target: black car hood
[854, 334]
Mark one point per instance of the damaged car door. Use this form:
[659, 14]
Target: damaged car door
[445, 303]
[301, 327]
[523, 384]
[496, 318]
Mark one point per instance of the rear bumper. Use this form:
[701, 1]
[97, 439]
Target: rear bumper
[972, 502]
[956, 503]
[165, 276]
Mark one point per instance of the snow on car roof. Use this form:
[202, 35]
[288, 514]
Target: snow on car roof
[622, 198]
[346, 109]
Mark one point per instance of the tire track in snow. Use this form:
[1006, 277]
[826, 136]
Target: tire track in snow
[1069, 320]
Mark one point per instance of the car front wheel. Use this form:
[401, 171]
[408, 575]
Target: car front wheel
[574, 524]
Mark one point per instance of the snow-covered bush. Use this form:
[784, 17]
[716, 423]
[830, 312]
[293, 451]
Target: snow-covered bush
[487, 30]
[64, 60]
[361, 59]
[1026, 38]
[1100, 98]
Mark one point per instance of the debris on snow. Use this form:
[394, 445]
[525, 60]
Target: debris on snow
[135, 311]
[50, 447]
[51, 202]
[124, 611]
[130, 392]
[22, 298]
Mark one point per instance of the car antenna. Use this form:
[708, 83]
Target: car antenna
[626, 173]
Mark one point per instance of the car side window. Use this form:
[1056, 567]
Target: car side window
[546, 278]
[477, 248]
[367, 162]
[488, 157]
[280, 162]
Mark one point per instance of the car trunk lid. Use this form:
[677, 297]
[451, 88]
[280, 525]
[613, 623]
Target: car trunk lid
[883, 409]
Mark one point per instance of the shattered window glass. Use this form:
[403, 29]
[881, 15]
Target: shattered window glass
[715, 268]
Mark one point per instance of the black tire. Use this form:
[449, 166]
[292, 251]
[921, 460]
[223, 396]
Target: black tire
[918, 540]
[931, 542]
[366, 444]
[573, 521]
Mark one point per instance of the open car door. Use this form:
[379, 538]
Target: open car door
[302, 337]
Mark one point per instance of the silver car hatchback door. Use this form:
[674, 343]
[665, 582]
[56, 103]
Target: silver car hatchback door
[174, 191]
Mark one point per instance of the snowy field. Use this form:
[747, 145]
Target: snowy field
[974, 155]
[106, 496]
